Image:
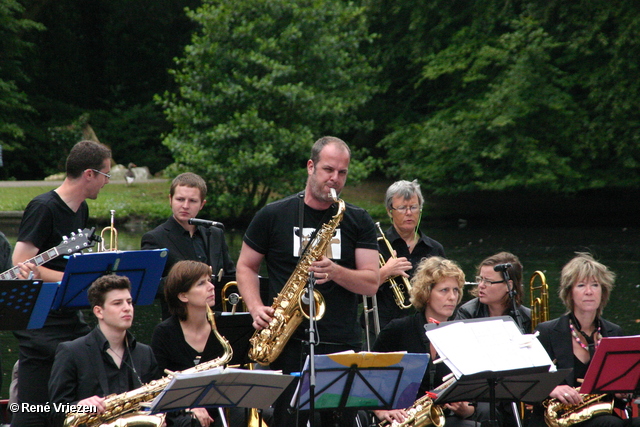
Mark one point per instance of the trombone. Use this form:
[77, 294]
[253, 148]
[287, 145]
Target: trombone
[539, 304]
[399, 294]
[113, 236]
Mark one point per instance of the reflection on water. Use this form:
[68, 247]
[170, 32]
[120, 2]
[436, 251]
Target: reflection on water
[544, 249]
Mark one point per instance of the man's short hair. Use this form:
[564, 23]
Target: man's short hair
[102, 285]
[86, 155]
[323, 142]
[189, 179]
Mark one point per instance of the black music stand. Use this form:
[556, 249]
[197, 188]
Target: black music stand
[220, 388]
[615, 367]
[24, 304]
[503, 365]
[143, 268]
[530, 385]
[362, 380]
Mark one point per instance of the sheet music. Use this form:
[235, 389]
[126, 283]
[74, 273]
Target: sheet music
[222, 387]
[491, 345]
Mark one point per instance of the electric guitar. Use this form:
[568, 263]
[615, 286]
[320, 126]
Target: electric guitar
[82, 240]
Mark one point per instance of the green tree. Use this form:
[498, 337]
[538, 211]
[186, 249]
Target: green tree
[518, 94]
[259, 83]
[13, 46]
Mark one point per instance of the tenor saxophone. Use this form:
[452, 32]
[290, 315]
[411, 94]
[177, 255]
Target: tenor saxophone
[559, 414]
[130, 402]
[268, 343]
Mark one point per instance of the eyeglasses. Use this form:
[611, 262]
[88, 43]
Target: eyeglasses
[480, 280]
[102, 173]
[404, 209]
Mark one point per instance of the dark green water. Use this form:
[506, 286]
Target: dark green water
[544, 249]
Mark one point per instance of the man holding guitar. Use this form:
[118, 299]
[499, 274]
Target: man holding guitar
[46, 220]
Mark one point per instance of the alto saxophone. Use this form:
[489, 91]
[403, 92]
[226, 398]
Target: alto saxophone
[422, 413]
[268, 343]
[130, 402]
[559, 414]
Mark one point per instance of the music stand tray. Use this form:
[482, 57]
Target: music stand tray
[24, 304]
[615, 367]
[363, 380]
[143, 268]
[237, 329]
[221, 387]
[530, 385]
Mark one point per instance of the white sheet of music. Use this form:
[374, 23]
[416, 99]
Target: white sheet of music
[491, 345]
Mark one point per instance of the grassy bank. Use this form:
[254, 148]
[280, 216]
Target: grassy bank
[148, 201]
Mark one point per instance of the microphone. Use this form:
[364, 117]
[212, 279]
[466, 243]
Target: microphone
[205, 223]
[501, 267]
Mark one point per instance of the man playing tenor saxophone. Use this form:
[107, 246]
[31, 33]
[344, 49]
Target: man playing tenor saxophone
[106, 361]
[279, 231]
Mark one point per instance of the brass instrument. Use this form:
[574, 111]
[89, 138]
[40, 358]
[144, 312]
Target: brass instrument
[422, 413]
[267, 343]
[121, 406]
[539, 304]
[113, 236]
[559, 414]
[232, 299]
[376, 317]
[399, 294]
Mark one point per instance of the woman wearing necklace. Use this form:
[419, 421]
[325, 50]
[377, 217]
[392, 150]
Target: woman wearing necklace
[185, 339]
[571, 339]
[436, 290]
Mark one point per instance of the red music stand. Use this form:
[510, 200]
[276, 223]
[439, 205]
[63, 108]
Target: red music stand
[615, 367]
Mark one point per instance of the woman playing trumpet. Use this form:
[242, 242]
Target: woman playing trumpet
[185, 339]
[571, 339]
[403, 202]
[436, 289]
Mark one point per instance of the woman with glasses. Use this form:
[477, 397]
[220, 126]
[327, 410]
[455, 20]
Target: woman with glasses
[495, 297]
[404, 203]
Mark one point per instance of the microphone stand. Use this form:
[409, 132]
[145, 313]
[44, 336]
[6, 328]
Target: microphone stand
[312, 344]
[512, 295]
[519, 324]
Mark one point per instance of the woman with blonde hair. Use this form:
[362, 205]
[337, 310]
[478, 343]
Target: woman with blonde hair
[436, 290]
[572, 339]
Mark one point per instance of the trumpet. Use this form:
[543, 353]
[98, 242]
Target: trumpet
[113, 236]
[399, 294]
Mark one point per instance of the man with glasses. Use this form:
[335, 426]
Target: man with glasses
[46, 219]
[404, 203]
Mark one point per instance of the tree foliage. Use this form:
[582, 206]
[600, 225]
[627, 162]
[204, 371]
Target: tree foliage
[260, 81]
[523, 95]
[13, 47]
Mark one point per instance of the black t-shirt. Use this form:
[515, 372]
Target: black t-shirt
[46, 219]
[274, 232]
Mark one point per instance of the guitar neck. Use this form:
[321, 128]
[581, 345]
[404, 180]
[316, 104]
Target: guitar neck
[38, 260]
